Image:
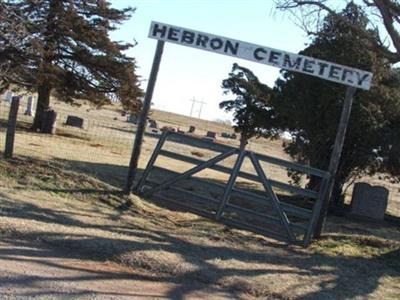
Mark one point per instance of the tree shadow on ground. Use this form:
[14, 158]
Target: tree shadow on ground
[115, 175]
[338, 276]
[347, 274]
[48, 286]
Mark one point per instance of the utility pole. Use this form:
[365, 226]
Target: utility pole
[191, 109]
[201, 107]
[194, 101]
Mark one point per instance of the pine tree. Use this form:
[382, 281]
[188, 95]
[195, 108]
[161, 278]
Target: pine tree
[310, 108]
[70, 55]
[14, 40]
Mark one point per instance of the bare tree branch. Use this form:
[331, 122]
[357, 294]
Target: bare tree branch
[388, 12]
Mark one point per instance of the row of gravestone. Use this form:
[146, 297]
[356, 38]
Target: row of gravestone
[49, 121]
[153, 125]
[49, 116]
[30, 103]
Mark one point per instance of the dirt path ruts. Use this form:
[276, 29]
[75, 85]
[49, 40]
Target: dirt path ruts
[28, 271]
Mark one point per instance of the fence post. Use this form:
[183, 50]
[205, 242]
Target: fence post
[11, 126]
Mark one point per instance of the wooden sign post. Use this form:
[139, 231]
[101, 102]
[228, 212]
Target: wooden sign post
[335, 157]
[352, 77]
[141, 126]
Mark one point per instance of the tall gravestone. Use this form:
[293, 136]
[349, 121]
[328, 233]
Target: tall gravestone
[30, 102]
[369, 201]
[49, 121]
[8, 96]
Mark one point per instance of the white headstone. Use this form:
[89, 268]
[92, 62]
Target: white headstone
[8, 96]
[30, 102]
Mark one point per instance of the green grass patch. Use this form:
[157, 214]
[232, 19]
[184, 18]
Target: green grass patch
[384, 250]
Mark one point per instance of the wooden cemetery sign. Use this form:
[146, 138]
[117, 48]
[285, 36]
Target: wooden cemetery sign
[261, 54]
[351, 77]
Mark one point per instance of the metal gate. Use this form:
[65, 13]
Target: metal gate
[272, 208]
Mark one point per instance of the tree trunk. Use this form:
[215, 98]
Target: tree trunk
[243, 142]
[337, 205]
[43, 103]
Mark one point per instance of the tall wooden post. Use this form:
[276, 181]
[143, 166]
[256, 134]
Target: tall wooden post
[141, 126]
[11, 126]
[335, 158]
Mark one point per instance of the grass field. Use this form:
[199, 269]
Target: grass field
[63, 191]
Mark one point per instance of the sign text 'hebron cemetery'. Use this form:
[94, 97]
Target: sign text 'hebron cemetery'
[261, 54]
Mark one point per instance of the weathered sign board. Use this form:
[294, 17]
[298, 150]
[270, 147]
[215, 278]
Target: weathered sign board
[261, 54]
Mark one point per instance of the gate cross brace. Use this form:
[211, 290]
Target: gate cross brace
[152, 160]
[268, 188]
[231, 182]
[192, 171]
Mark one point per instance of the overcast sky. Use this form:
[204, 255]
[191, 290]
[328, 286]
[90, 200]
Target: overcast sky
[187, 73]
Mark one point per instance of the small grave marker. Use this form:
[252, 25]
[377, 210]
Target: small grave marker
[168, 128]
[132, 119]
[369, 201]
[74, 121]
[153, 124]
[211, 134]
[226, 135]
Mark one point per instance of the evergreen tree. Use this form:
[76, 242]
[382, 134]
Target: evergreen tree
[69, 54]
[251, 107]
[14, 40]
[310, 108]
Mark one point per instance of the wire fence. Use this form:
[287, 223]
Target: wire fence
[104, 143]
[94, 147]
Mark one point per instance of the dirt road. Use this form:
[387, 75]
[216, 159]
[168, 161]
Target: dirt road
[28, 271]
